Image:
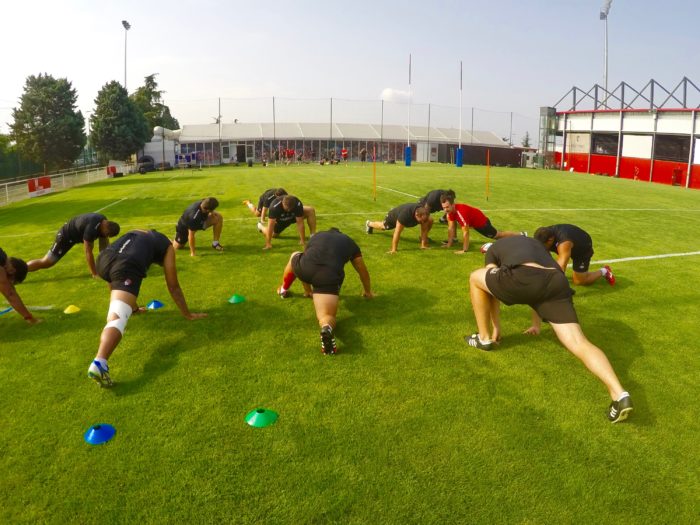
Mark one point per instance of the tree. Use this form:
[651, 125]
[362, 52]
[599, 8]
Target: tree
[47, 127]
[526, 140]
[119, 128]
[150, 101]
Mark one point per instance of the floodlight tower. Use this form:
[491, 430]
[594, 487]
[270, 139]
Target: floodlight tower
[604, 17]
[127, 26]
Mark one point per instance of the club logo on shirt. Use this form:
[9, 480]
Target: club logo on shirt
[127, 282]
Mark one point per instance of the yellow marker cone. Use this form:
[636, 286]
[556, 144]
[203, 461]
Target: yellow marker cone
[72, 309]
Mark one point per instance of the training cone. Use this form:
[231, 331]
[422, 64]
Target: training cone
[261, 417]
[5, 310]
[235, 299]
[155, 305]
[72, 309]
[99, 434]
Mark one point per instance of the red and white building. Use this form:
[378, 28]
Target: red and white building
[659, 142]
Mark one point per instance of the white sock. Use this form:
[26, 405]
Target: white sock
[604, 271]
[623, 395]
[251, 206]
[102, 362]
[487, 341]
[283, 289]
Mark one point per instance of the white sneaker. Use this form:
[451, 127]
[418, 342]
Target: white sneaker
[100, 374]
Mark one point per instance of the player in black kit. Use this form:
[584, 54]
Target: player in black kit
[404, 216]
[124, 265]
[84, 229]
[433, 201]
[569, 241]
[320, 268]
[199, 215]
[519, 270]
[13, 271]
[284, 211]
[264, 202]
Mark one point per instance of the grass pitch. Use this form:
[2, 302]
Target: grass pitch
[406, 424]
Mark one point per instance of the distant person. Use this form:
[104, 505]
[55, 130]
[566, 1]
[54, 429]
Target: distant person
[520, 271]
[264, 202]
[320, 268]
[12, 272]
[469, 217]
[82, 229]
[344, 154]
[124, 265]
[404, 216]
[571, 242]
[432, 201]
[199, 215]
[284, 211]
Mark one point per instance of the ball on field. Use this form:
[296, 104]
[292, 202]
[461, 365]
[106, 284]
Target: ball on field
[485, 247]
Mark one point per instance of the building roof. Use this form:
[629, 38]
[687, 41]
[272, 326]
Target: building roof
[336, 131]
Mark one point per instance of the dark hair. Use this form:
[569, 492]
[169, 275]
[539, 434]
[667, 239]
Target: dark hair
[447, 197]
[280, 191]
[210, 203]
[544, 233]
[449, 193]
[112, 229]
[290, 202]
[21, 269]
[422, 211]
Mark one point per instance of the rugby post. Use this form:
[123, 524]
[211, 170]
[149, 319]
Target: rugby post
[460, 151]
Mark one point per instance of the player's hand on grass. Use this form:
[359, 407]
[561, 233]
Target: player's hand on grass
[391, 252]
[194, 316]
[460, 252]
[368, 295]
[139, 310]
[533, 330]
[34, 320]
[267, 247]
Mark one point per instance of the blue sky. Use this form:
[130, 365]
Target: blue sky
[517, 55]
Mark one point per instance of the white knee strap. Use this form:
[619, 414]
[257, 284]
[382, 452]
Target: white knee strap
[122, 311]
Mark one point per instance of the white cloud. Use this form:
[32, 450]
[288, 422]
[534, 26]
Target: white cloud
[394, 95]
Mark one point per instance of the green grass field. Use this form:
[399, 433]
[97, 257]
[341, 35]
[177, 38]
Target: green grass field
[406, 424]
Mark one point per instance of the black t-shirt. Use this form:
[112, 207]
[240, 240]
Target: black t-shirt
[517, 250]
[277, 212]
[267, 197]
[3, 258]
[139, 249]
[432, 199]
[405, 214]
[193, 218]
[568, 232]
[84, 227]
[331, 248]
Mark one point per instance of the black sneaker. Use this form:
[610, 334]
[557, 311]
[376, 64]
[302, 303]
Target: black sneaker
[619, 410]
[474, 341]
[328, 345]
[368, 228]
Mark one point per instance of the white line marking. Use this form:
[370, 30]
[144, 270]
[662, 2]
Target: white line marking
[401, 192]
[646, 257]
[112, 204]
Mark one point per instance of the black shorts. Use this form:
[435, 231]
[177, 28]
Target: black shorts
[119, 273]
[546, 291]
[61, 245]
[323, 279]
[582, 260]
[280, 226]
[487, 230]
[261, 203]
[389, 223]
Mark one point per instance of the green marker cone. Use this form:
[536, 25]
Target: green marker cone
[235, 299]
[261, 417]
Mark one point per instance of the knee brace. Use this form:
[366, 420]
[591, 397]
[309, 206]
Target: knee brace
[122, 311]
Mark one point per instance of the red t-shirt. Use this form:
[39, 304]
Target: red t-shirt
[467, 216]
[344, 153]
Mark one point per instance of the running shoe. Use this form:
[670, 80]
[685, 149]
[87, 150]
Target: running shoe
[328, 345]
[368, 228]
[474, 341]
[619, 410]
[609, 276]
[100, 374]
[283, 295]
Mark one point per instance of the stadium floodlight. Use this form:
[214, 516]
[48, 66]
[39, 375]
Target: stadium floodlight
[604, 17]
[127, 26]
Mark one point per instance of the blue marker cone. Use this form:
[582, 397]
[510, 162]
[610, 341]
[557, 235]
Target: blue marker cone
[261, 417]
[99, 434]
[155, 305]
[5, 310]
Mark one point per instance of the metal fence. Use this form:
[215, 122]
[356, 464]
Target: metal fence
[18, 190]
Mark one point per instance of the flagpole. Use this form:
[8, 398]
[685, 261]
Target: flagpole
[407, 153]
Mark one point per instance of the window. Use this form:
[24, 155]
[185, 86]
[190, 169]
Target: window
[604, 144]
[672, 147]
